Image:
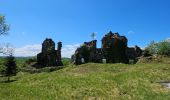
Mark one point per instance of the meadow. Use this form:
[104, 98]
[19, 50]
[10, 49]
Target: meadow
[91, 81]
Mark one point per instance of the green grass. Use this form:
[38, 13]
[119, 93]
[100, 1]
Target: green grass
[91, 81]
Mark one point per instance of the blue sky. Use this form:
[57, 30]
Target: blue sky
[72, 22]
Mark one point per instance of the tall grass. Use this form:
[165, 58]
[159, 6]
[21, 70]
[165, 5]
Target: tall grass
[91, 81]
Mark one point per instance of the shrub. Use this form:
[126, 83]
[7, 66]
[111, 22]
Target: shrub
[162, 48]
[146, 53]
[29, 61]
[151, 48]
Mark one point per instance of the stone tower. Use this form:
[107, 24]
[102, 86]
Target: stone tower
[49, 56]
[114, 48]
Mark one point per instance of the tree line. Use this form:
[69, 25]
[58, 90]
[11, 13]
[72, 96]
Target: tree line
[9, 69]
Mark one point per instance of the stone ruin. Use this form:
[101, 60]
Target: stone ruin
[88, 52]
[49, 56]
[133, 53]
[114, 50]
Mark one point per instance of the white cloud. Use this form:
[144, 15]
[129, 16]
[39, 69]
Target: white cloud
[33, 50]
[69, 50]
[168, 39]
[131, 32]
[28, 50]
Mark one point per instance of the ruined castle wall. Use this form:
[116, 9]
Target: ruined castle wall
[49, 56]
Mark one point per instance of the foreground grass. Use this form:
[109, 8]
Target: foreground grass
[91, 81]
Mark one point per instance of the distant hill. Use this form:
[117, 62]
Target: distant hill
[66, 61]
[65, 58]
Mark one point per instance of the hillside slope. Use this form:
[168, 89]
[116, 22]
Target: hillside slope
[91, 81]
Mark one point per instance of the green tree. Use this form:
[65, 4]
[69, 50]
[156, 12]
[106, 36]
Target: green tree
[4, 27]
[152, 48]
[164, 48]
[10, 68]
[146, 52]
[161, 48]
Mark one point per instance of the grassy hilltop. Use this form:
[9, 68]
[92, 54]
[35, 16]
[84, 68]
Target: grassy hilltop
[91, 81]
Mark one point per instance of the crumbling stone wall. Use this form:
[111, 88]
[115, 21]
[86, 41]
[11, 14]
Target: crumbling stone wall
[49, 56]
[133, 53]
[114, 48]
[87, 52]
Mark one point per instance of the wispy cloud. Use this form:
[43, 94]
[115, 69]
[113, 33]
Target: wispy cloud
[69, 50]
[131, 32]
[168, 39]
[28, 50]
[33, 50]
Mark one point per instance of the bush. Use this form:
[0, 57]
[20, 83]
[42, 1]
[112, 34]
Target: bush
[29, 61]
[162, 48]
[151, 48]
[146, 53]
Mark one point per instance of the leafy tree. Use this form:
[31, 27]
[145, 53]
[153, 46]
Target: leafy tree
[146, 53]
[10, 68]
[4, 28]
[164, 48]
[152, 48]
